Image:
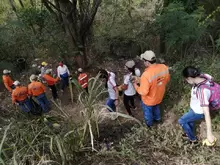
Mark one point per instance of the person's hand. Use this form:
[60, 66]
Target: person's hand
[116, 102]
[16, 103]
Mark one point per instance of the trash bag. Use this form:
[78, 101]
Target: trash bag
[36, 110]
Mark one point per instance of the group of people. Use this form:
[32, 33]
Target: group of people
[149, 86]
[23, 96]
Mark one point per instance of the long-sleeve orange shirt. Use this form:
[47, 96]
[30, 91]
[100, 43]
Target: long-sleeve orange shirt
[50, 80]
[20, 93]
[7, 82]
[36, 88]
[153, 84]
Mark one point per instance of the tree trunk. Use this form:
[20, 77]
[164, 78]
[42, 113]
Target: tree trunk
[76, 45]
[21, 3]
[12, 5]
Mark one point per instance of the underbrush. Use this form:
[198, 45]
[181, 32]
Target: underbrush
[56, 139]
[161, 145]
[164, 143]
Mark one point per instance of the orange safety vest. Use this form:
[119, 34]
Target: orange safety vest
[153, 84]
[50, 80]
[36, 88]
[7, 82]
[83, 80]
[20, 93]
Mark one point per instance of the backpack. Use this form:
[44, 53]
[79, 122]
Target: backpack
[214, 100]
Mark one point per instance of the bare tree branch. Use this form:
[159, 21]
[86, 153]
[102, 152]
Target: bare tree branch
[48, 2]
[21, 3]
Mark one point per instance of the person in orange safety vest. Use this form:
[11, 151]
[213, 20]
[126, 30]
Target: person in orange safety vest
[152, 87]
[37, 89]
[20, 97]
[8, 82]
[51, 82]
[83, 79]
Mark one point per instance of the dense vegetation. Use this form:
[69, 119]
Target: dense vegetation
[84, 34]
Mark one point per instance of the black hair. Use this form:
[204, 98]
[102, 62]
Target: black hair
[104, 74]
[132, 70]
[191, 71]
[153, 60]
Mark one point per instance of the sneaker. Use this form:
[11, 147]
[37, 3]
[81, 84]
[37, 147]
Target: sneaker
[158, 121]
[184, 135]
[194, 141]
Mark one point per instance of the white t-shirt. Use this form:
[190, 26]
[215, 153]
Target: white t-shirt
[130, 91]
[62, 70]
[111, 85]
[137, 72]
[199, 98]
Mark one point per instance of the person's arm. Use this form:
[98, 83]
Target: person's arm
[7, 86]
[13, 98]
[126, 81]
[137, 72]
[143, 89]
[43, 87]
[67, 70]
[210, 136]
[116, 95]
[204, 95]
[29, 91]
[58, 72]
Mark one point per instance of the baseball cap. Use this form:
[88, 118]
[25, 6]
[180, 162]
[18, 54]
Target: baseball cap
[33, 77]
[148, 55]
[130, 64]
[80, 70]
[16, 83]
[5, 71]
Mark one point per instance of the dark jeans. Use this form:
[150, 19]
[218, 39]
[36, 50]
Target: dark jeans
[64, 82]
[54, 91]
[25, 105]
[111, 105]
[44, 103]
[128, 103]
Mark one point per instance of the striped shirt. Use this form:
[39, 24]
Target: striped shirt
[199, 98]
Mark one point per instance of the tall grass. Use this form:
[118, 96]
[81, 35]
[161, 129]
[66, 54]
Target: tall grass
[57, 139]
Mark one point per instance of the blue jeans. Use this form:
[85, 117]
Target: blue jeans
[187, 123]
[111, 105]
[151, 113]
[25, 105]
[44, 103]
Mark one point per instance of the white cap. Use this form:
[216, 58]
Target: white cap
[130, 64]
[148, 55]
[16, 83]
[33, 77]
[80, 70]
[5, 71]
